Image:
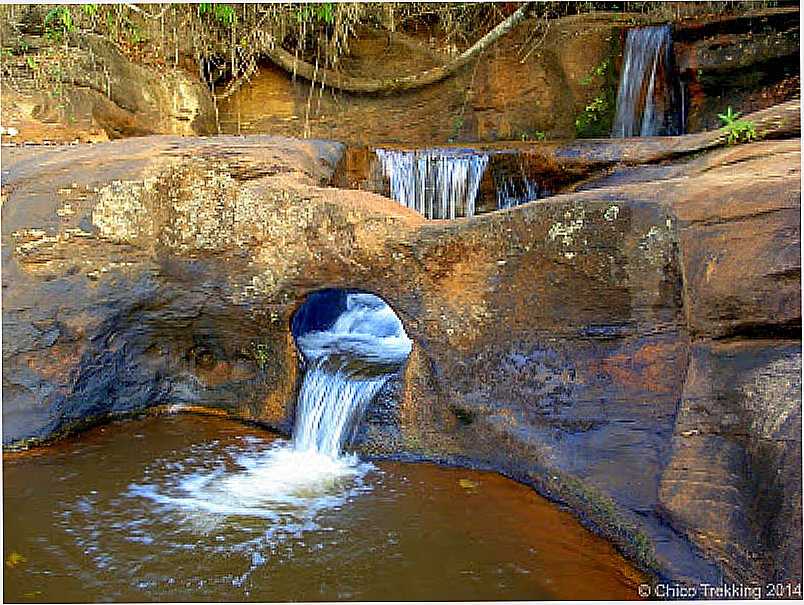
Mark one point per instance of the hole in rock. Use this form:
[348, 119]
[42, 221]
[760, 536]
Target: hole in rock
[352, 343]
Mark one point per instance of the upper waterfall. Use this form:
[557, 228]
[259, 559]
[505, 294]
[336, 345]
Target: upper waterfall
[439, 183]
[647, 98]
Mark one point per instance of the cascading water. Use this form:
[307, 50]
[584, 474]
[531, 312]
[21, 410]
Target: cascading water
[287, 485]
[438, 183]
[514, 191]
[348, 364]
[647, 98]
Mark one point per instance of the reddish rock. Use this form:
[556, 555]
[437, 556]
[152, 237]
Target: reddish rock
[551, 340]
[740, 248]
[733, 482]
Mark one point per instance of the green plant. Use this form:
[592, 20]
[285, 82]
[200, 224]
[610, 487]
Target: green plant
[533, 135]
[90, 10]
[737, 130]
[324, 11]
[58, 22]
[457, 126]
[135, 35]
[599, 71]
[223, 13]
[596, 118]
[593, 114]
[260, 351]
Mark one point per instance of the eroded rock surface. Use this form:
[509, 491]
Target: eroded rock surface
[100, 94]
[735, 467]
[574, 343]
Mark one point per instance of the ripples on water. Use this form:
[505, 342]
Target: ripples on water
[185, 508]
[190, 508]
[254, 496]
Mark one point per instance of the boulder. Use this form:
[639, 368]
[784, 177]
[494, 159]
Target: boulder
[552, 342]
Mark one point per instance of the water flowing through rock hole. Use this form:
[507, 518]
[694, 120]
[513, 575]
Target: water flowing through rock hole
[352, 343]
[186, 510]
[207, 509]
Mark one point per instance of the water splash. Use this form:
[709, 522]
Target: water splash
[247, 503]
[275, 483]
[280, 490]
[647, 99]
[438, 183]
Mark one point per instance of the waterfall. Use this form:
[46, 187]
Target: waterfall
[348, 363]
[513, 191]
[352, 344]
[439, 183]
[647, 95]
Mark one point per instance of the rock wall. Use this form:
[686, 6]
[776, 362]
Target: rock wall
[533, 82]
[632, 350]
[90, 91]
[748, 62]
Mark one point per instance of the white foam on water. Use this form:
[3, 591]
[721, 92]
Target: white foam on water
[266, 493]
[280, 484]
[368, 329]
[348, 364]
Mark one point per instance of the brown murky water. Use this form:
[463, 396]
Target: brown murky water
[190, 508]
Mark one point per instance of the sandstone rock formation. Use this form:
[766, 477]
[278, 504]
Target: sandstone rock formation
[632, 350]
[746, 61]
[533, 82]
[91, 91]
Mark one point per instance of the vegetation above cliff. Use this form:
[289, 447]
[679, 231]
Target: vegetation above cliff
[222, 43]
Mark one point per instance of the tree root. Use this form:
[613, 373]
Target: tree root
[345, 83]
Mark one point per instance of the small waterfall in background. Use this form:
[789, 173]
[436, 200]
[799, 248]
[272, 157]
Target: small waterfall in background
[348, 363]
[514, 191]
[648, 95]
[438, 183]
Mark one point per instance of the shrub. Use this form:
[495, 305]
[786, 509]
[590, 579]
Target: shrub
[58, 22]
[737, 130]
[593, 117]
